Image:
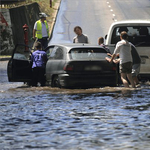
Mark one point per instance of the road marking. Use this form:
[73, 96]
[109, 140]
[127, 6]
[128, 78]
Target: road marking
[114, 16]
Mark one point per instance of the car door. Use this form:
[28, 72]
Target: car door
[19, 68]
[55, 62]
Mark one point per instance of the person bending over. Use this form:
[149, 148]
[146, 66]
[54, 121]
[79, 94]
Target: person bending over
[38, 59]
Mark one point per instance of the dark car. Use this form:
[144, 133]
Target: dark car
[68, 66]
[79, 65]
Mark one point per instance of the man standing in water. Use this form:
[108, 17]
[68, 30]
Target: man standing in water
[124, 49]
[38, 59]
[135, 64]
[80, 38]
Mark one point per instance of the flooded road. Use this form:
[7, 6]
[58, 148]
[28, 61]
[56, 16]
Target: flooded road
[82, 119]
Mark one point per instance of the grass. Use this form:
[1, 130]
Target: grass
[44, 7]
[5, 56]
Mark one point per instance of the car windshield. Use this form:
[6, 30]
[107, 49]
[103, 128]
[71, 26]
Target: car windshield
[138, 35]
[88, 53]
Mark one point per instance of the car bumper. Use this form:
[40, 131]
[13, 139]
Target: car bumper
[67, 80]
[144, 76]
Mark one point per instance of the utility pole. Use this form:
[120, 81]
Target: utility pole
[51, 3]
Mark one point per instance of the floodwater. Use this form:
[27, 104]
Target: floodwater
[45, 118]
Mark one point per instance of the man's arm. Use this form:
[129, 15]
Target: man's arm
[34, 31]
[116, 61]
[110, 59]
[87, 39]
[74, 40]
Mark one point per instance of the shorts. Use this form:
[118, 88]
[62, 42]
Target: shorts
[135, 69]
[126, 67]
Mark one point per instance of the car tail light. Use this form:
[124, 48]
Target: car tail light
[114, 68]
[68, 68]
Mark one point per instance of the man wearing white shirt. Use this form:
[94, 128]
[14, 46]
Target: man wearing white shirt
[123, 47]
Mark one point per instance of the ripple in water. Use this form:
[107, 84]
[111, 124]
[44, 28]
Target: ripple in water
[80, 119]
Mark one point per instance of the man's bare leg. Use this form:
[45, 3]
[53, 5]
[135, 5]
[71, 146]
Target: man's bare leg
[131, 80]
[124, 80]
[135, 79]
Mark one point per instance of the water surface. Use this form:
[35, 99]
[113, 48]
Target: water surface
[108, 118]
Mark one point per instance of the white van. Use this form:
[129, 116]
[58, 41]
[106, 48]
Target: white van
[139, 35]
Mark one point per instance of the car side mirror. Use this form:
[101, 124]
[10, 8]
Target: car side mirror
[105, 36]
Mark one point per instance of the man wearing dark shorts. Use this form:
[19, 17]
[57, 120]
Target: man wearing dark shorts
[123, 47]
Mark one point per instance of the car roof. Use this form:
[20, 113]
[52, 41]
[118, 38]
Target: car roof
[76, 45]
[132, 22]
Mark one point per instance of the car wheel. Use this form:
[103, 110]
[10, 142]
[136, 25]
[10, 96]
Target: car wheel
[55, 82]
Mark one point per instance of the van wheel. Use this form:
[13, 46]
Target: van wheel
[55, 82]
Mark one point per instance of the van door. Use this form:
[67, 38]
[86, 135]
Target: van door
[19, 68]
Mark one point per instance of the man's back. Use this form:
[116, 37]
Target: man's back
[39, 59]
[124, 49]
